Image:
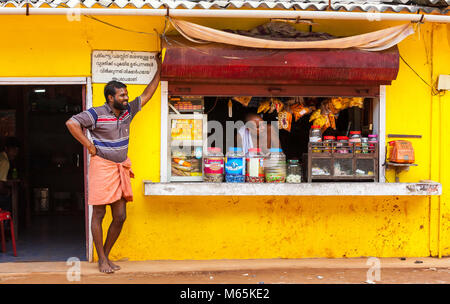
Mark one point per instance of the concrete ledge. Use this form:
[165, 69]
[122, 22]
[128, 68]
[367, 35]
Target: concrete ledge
[180, 266]
[302, 189]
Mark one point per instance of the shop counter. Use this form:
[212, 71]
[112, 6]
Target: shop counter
[302, 189]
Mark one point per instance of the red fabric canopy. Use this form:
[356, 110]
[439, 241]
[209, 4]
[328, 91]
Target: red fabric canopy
[236, 68]
[214, 63]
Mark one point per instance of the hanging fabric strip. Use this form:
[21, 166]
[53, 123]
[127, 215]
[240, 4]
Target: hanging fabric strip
[175, 25]
[374, 41]
[391, 42]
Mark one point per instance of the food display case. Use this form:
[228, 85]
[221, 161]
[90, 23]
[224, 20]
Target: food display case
[187, 141]
[348, 162]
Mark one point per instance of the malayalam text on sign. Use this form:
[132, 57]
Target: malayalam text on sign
[124, 66]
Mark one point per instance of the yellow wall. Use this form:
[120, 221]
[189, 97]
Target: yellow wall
[265, 227]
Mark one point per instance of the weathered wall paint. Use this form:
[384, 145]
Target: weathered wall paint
[264, 227]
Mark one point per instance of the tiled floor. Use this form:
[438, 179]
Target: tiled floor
[50, 238]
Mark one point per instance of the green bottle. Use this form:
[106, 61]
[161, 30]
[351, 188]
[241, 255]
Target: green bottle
[14, 174]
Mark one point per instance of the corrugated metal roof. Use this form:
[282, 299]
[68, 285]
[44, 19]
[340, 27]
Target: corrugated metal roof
[411, 6]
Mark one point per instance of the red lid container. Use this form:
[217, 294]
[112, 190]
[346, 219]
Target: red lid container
[214, 149]
[329, 138]
[254, 150]
[342, 138]
[355, 132]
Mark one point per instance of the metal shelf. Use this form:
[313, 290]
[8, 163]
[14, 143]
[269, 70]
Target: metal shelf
[399, 168]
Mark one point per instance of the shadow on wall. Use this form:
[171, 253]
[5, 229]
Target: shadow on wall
[448, 34]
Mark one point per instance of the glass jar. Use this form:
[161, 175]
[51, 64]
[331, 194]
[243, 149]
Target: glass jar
[294, 172]
[355, 141]
[342, 145]
[329, 143]
[254, 169]
[213, 166]
[275, 166]
[315, 138]
[235, 165]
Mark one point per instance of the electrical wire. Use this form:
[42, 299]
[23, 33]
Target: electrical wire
[112, 25]
[215, 103]
[118, 27]
[384, 173]
[167, 39]
[433, 90]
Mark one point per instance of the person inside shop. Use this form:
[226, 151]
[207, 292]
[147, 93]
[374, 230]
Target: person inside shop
[110, 168]
[257, 133]
[9, 153]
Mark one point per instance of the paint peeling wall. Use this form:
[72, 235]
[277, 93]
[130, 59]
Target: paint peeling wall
[265, 227]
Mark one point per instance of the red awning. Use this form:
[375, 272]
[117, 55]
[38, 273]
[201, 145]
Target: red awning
[213, 64]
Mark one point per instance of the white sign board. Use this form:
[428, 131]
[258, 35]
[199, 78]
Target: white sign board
[124, 66]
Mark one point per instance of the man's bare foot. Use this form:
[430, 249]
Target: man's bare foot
[113, 266]
[104, 267]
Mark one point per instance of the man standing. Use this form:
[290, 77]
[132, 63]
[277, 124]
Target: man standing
[109, 168]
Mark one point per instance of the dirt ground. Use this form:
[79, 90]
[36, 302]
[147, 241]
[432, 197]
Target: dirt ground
[269, 276]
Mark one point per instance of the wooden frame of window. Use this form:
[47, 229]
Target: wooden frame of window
[378, 110]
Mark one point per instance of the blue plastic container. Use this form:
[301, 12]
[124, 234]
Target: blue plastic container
[235, 165]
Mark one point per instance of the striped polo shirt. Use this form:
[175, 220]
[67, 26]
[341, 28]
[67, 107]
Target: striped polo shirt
[110, 134]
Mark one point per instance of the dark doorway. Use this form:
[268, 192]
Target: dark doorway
[50, 167]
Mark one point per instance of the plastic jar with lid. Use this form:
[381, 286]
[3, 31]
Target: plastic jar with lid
[213, 166]
[235, 165]
[294, 172]
[275, 166]
[365, 145]
[373, 140]
[254, 169]
[355, 140]
[329, 143]
[315, 138]
[342, 145]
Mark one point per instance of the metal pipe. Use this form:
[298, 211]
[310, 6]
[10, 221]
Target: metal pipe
[230, 13]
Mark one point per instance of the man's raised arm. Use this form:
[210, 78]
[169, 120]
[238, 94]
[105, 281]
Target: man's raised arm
[151, 87]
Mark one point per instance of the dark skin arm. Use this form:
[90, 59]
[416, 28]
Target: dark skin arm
[153, 85]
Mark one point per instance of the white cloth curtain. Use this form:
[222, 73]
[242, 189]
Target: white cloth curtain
[373, 41]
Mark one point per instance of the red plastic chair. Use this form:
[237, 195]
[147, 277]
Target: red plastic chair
[6, 216]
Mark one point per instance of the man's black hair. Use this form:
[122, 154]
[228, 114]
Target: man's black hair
[110, 88]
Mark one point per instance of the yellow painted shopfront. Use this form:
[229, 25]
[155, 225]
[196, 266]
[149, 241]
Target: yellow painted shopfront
[255, 227]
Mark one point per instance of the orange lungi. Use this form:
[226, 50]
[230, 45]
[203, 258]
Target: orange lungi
[109, 181]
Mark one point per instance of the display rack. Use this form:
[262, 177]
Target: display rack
[325, 162]
[189, 141]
